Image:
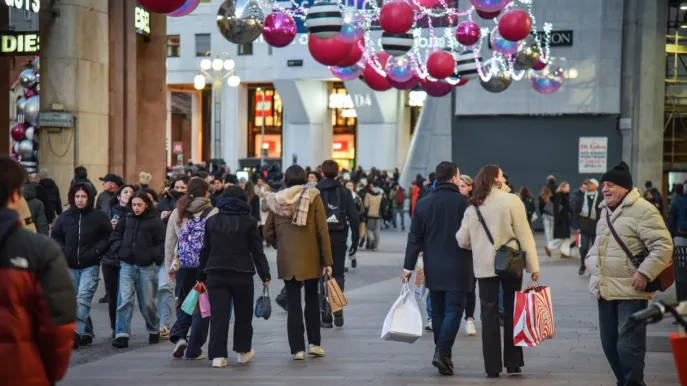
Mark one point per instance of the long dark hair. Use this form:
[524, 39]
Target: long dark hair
[143, 196]
[72, 194]
[196, 188]
[115, 199]
[250, 191]
[295, 175]
[486, 178]
[525, 192]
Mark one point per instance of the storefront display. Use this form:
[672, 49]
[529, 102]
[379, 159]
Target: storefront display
[266, 114]
[344, 127]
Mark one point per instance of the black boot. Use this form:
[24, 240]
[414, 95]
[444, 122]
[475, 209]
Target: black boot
[120, 342]
[103, 300]
[338, 319]
[86, 340]
[443, 363]
[153, 338]
[77, 341]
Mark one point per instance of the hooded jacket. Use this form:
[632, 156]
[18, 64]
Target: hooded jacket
[373, 203]
[195, 209]
[37, 208]
[81, 177]
[232, 242]
[53, 194]
[38, 305]
[139, 240]
[641, 227]
[168, 203]
[83, 234]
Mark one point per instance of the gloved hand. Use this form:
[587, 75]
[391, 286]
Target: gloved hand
[354, 249]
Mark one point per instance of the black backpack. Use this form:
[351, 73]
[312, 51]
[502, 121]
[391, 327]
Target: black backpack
[334, 210]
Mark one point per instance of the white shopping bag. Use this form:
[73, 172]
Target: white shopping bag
[403, 323]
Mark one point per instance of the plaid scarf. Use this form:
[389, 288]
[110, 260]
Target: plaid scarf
[293, 202]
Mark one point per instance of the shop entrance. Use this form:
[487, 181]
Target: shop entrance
[344, 127]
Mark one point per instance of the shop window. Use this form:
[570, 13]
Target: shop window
[265, 109]
[173, 45]
[245, 49]
[344, 127]
[203, 44]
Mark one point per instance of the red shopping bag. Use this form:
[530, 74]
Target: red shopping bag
[578, 241]
[533, 316]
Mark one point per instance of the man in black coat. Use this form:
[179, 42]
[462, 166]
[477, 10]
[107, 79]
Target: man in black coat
[448, 268]
[53, 193]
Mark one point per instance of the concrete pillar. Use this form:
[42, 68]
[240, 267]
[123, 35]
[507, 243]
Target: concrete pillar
[196, 127]
[74, 73]
[171, 160]
[432, 140]
[234, 125]
[643, 88]
[378, 125]
[305, 121]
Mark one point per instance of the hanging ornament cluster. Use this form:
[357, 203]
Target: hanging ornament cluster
[24, 131]
[340, 37]
[175, 8]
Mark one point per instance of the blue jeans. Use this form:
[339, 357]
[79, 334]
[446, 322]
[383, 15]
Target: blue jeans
[166, 296]
[400, 212]
[142, 281]
[185, 281]
[85, 284]
[447, 310]
[625, 348]
[429, 304]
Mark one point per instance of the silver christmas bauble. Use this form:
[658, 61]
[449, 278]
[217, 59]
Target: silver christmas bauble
[528, 55]
[21, 105]
[32, 109]
[30, 134]
[25, 148]
[27, 78]
[37, 63]
[244, 29]
[499, 82]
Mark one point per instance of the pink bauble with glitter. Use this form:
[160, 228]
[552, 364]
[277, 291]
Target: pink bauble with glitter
[396, 17]
[468, 33]
[436, 89]
[279, 29]
[30, 92]
[407, 85]
[489, 5]
[540, 65]
[188, 7]
[161, 6]
[488, 15]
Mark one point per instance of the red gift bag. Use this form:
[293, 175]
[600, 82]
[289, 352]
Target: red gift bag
[533, 316]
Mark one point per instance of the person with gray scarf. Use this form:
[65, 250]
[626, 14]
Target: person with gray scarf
[589, 217]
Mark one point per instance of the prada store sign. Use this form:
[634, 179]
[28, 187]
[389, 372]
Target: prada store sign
[14, 43]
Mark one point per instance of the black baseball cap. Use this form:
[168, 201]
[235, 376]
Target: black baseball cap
[112, 178]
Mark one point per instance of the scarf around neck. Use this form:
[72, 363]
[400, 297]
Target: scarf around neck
[586, 212]
[292, 202]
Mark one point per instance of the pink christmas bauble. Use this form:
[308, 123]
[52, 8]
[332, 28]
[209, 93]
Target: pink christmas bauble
[425, 3]
[355, 55]
[328, 51]
[18, 132]
[436, 89]
[468, 33]
[515, 25]
[188, 7]
[30, 92]
[161, 6]
[540, 65]
[396, 17]
[462, 82]
[407, 85]
[372, 78]
[279, 29]
[441, 64]
[489, 5]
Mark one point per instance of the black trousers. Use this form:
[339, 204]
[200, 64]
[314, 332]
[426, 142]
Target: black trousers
[199, 326]
[339, 249]
[111, 277]
[471, 301]
[223, 287]
[294, 324]
[491, 334]
[586, 242]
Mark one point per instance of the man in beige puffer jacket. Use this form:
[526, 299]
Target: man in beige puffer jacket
[620, 286]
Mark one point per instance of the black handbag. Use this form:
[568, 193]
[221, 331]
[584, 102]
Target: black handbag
[325, 309]
[263, 306]
[508, 262]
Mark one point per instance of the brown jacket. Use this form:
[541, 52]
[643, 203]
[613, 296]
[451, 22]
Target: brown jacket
[302, 251]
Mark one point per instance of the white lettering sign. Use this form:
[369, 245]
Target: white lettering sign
[29, 5]
[12, 43]
[593, 155]
[142, 21]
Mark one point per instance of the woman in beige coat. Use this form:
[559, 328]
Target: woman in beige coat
[505, 216]
[297, 227]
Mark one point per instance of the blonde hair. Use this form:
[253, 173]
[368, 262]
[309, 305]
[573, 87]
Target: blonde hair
[466, 179]
[560, 187]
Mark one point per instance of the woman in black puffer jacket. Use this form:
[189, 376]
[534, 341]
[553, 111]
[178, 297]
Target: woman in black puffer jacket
[139, 243]
[83, 233]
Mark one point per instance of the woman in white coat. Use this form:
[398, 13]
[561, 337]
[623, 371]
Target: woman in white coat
[505, 216]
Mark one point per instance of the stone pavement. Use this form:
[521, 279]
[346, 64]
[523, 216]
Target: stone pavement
[356, 355]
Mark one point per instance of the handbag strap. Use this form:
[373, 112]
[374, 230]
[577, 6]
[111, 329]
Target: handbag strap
[618, 240]
[489, 236]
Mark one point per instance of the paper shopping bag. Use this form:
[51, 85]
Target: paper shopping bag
[204, 302]
[336, 298]
[403, 323]
[533, 317]
[191, 302]
[419, 279]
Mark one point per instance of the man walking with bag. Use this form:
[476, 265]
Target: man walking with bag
[632, 248]
[448, 268]
[341, 215]
[588, 218]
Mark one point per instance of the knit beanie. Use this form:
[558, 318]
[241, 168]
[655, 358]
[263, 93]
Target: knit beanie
[619, 175]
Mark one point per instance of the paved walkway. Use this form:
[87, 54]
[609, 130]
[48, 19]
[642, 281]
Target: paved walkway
[356, 355]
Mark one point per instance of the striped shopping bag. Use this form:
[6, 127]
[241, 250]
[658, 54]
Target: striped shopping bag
[533, 316]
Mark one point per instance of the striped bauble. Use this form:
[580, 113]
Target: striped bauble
[466, 66]
[397, 44]
[324, 19]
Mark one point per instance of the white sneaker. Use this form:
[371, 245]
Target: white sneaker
[470, 328]
[299, 356]
[180, 348]
[245, 357]
[219, 363]
[315, 351]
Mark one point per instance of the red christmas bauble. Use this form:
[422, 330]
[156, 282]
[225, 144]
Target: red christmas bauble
[18, 132]
[396, 17]
[372, 78]
[515, 25]
[441, 64]
[407, 85]
[328, 51]
[487, 15]
[436, 89]
[461, 82]
[540, 65]
[161, 6]
[355, 55]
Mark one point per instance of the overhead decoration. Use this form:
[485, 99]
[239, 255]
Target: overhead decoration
[502, 33]
[24, 131]
[162, 6]
[188, 7]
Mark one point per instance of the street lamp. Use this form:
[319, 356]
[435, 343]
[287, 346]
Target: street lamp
[217, 70]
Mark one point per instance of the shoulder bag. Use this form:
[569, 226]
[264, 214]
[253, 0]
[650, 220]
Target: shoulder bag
[663, 281]
[508, 262]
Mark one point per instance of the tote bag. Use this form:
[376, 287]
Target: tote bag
[403, 323]
[533, 316]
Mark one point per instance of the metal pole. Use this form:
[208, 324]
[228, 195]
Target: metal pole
[217, 86]
[262, 132]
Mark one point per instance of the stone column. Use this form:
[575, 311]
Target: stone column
[74, 73]
[643, 88]
[234, 125]
[171, 159]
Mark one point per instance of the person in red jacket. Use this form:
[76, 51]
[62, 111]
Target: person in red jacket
[37, 297]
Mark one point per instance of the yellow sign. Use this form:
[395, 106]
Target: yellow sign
[19, 43]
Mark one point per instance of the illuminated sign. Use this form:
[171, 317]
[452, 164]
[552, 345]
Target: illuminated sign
[142, 22]
[19, 43]
[345, 101]
[29, 5]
